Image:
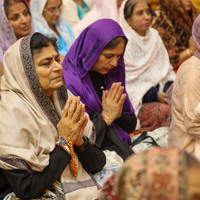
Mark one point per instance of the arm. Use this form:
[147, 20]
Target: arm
[190, 97]
[91, 157]
[31, 185]
[127, 122]
[151, 95]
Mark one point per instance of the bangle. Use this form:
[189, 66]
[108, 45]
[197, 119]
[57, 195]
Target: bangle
[188, 52]
[104, 116]
[62, 142]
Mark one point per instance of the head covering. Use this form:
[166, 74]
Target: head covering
[31, 121]
[82, 56]
[6, 31]
[41, 25]
[101, 9]
[196, 35]
[174, 24]
[196, 4]
[146, 60]
[158, 173]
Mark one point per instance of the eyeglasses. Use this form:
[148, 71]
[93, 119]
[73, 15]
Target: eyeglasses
[53, 10]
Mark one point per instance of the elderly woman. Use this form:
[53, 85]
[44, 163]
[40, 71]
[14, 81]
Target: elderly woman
[49, 148]
[48, 21]
[94, 70]
[174, 24]
[148, 69]
[184, 130]
[15, 23]
[159, 173]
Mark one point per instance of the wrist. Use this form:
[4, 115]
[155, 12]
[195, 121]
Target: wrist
[83, 146]
[106, 119]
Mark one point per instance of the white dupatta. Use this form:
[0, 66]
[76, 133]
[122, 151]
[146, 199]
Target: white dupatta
[146, 62]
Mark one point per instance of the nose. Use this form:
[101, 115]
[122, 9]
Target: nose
[57, 12]
[114, 62]
[57, 66]
[24, 19]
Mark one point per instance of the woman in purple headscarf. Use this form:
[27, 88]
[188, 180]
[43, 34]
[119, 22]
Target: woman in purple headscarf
[94, 70]
[185, 125]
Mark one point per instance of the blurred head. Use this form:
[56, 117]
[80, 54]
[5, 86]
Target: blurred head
[19, 17]
[158, 173]
[109, 57]
[138, 15]
[52, 12]
[187, 4]
[47, 62]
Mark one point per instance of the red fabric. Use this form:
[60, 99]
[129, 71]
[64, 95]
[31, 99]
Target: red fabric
[153, 115]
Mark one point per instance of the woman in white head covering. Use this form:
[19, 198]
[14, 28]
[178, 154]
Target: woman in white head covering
[48, 21]
[148, 69]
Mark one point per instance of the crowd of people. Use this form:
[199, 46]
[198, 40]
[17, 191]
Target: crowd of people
[99, 99]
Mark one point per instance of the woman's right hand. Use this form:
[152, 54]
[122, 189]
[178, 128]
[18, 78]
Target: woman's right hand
[73, 121]
[112, 103]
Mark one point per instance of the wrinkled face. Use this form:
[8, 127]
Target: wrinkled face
[19, 17]
[108, 59]
[52, 12]
[187, 4]
[49, 69]
[141, 18]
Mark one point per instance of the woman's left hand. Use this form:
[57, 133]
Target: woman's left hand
[162, 97]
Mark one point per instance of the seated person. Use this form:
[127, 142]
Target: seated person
[94, 70]
[15, 23]
[74, 10]
[48, 21]
[174, 24]
[148, 69]
[101, 9]
[159, 173]
[50, 142]
[185, 124]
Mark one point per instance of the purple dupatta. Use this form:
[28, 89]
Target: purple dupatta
[82, 56]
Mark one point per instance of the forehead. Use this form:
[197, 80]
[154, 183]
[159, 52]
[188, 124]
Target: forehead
[119, 49]
[141, 6]
[53, 3]
[45, 52]
[16, 8]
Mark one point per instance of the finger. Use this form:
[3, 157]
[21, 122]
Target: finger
[77, 113]
[82, 111]
[115, 90]
[119, 93]
[103, 95]
[72, 107]
[65, 110]
[122, 99]
[111, 90]
[82, 121]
